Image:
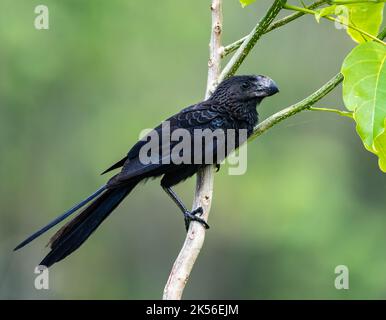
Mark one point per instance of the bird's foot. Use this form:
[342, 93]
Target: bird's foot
[192, 216]
[217, 167]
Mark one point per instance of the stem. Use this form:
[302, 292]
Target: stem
[339, 112]
[309, 11]
[237, 59]
[235, 45]
[297, 107]
[294, 16]
[195, 237]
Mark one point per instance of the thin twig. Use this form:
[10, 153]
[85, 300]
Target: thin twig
[304, 104]
[235, 45]
[194, 241]
[297, 107]
[293, 16]
[348, 114]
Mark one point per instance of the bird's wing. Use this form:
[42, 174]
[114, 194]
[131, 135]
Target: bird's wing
[134, 151]
[116, 165]
[198, 116]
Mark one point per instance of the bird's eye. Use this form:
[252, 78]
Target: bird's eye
[245, 85]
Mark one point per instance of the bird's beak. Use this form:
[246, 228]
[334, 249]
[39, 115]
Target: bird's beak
[268, 87]
[272, 88]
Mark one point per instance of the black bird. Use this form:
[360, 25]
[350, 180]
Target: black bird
[231, 106]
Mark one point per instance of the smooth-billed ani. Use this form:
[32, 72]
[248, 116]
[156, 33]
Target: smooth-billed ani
[231, 106]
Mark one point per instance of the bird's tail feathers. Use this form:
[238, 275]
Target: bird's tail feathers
[61, 218]
[72, 235]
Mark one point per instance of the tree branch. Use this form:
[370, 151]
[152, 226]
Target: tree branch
[297, 107]
[304, 104]
[235, 45]
[194, 241]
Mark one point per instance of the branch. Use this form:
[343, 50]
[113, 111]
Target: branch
[306, 103]
[237, 59]
[294, 16]
[235, 45]
[194, 241]
[297, 107]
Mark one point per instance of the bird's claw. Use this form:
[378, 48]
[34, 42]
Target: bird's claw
[192, 216]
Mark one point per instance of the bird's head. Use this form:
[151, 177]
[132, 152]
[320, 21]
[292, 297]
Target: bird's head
[245, 88]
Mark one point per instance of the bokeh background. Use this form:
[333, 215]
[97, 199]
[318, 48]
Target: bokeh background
[74, 98]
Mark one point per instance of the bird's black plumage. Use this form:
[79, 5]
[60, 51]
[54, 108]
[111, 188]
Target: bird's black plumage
[231, 106]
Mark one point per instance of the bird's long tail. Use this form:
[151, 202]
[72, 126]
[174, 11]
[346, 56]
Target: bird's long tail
[59, 219]
[72, 235]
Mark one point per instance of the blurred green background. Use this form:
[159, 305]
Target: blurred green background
[74, 98]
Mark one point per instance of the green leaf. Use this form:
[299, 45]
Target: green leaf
[365, 16]
[245, 3]
[380, 149]
[327, 11]
[364, 93]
